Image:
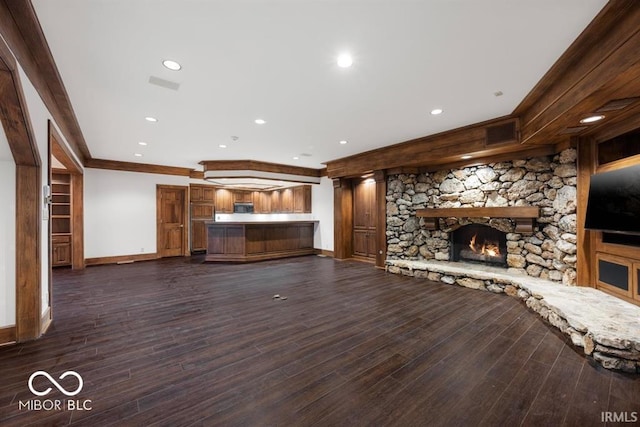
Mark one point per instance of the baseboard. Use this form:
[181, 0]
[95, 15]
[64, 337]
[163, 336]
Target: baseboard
[120, 259]
[324, 252]
[45, 321]
[7, 335]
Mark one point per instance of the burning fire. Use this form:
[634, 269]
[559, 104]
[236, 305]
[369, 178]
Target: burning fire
[488, 248]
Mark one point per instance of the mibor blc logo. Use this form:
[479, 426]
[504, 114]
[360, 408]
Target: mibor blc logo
[55, 404]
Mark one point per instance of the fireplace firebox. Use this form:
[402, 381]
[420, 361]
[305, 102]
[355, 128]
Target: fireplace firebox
[479, 243]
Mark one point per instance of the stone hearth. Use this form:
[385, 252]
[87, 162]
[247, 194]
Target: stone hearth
[607, 328]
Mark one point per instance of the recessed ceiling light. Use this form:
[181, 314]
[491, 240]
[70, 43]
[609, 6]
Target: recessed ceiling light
[345, 60]
[343, 142]
[172, 65]
[260, 121]
[592, 119]
[142, 143]
[151, 119]
[222, 146]
[138, 155]
[465, 157]
[295, 157]
[436, 111]
[498, 93]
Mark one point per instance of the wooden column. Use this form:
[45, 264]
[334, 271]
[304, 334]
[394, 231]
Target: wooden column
[381, 217]
[28, 292]
[587, 149]
[342, 218]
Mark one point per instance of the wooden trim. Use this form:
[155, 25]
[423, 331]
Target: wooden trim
[61, 152]
[342, 218]
[194, 174]
[326, 253]
[21, 29]
[381, 217]
[16, 121]
[235, 165]
[120, 259]
[28, 260]
[618, 164]
[585, 238]
[444, 147]
[77, 221]
[586, 71]
[523, 153]
[137, 167]
[628, 295]
[7, 335]
[493, 212]
[45, 320]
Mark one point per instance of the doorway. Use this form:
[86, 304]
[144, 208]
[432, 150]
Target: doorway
[171, 203]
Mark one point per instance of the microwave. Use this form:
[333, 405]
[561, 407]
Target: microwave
[243, 208]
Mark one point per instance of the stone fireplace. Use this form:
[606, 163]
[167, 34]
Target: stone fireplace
[546, 249]
[479, 244]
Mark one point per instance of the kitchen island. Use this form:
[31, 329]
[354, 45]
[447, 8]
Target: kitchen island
[257, 241]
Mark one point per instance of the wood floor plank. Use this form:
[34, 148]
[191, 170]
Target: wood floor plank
[180, 342]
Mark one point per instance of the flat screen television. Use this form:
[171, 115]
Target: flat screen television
[614, 201]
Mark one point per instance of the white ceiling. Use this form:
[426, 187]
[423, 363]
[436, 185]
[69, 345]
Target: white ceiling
[248, 59]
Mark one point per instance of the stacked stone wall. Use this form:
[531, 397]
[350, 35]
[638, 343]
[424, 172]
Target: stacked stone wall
[546, 182]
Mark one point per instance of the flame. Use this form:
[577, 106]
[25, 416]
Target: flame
[488, 248]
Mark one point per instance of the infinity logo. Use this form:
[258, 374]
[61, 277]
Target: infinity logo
[58, 386]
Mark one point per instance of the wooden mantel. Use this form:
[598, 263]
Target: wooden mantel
[523, 215]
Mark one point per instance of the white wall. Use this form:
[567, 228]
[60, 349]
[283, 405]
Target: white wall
[7, 234]
[120, 211]
[322, 208]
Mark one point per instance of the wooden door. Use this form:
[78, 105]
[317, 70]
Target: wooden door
[172, 213]
[364, 219]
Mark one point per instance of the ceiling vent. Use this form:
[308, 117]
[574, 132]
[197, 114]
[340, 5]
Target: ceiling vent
[617, 104]
[502, 133]
[167, 84]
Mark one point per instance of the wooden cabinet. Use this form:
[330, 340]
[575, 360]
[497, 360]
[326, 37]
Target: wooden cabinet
[364, 219]
[262, 202]
[618, 275]
[302, 199]
[61, 250]
[203, 193]
[286, 200]
[275, 201]
[224, 201]
[202, 207]
[240, 196]
[60, 213]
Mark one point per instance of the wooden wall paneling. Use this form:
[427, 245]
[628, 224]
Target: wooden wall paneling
[381, 218]
[608, 46]
[235, 240]
[255, 240]
[585, 238]
[198, 235]
[7, 335]
[28, 229]
[306, 236]
[286, 200]
[342, 218]
[275, 201]
[215, 240]
[77, 221]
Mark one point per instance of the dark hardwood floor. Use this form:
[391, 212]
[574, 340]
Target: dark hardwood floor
[176, 342]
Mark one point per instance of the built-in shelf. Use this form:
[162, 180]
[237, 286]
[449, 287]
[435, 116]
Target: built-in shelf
[523, 216]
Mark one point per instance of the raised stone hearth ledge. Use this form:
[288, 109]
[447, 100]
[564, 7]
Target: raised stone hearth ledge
[607, 328]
